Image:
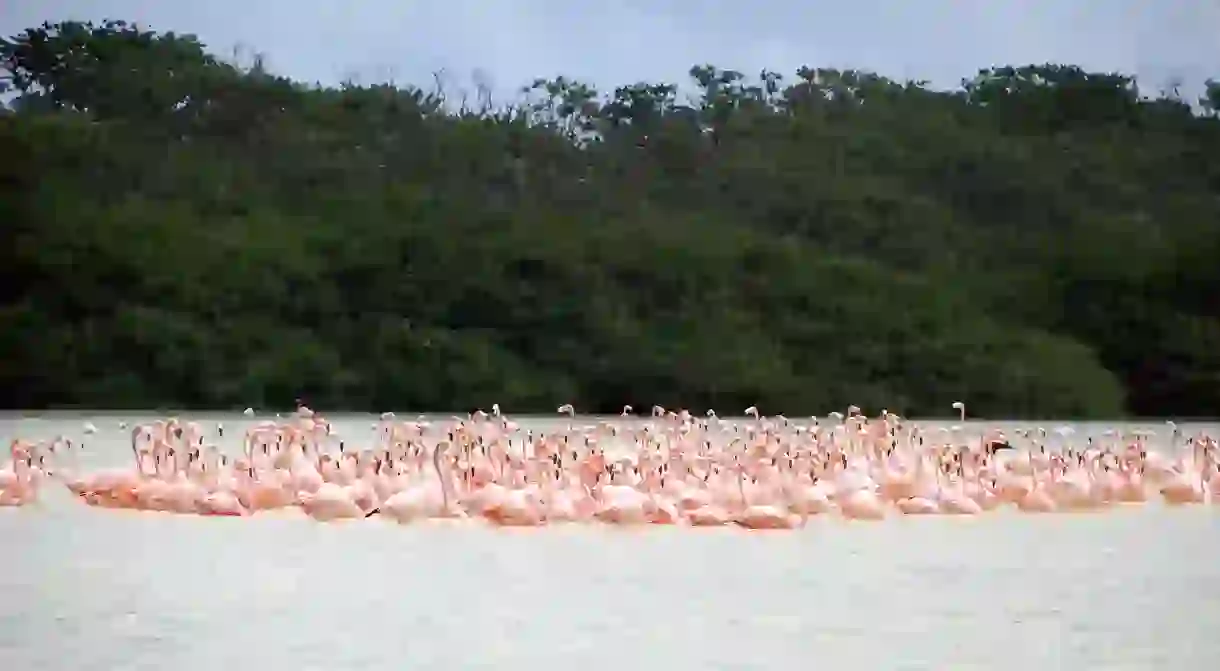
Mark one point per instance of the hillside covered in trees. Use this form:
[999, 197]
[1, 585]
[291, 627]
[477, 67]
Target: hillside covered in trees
[180, 231]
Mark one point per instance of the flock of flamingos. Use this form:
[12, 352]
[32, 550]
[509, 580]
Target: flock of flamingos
[665, 468]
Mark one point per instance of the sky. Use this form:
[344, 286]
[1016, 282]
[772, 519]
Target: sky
[507, 43]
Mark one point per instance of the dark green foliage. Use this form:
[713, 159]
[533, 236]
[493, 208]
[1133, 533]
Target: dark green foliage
[181, 231]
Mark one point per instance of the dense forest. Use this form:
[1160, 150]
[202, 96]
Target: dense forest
[180, 230]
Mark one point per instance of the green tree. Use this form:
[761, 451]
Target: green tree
[181, 231]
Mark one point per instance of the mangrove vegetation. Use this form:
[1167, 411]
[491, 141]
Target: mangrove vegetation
[180, 230]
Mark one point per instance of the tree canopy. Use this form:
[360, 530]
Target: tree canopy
[182, 231]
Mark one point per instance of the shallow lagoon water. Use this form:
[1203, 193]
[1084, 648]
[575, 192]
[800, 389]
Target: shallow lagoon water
[1136, 588]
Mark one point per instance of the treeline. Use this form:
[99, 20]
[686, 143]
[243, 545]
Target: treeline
[182, 231]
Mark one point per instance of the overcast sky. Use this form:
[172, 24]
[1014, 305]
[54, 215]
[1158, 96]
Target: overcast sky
[622, 41]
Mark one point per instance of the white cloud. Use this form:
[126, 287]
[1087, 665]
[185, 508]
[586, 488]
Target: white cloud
[514, 41]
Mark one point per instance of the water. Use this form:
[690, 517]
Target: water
[104, 589]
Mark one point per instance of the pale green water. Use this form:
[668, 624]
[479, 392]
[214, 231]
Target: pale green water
[102, 589]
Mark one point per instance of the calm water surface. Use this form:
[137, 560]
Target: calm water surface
[102, 589]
